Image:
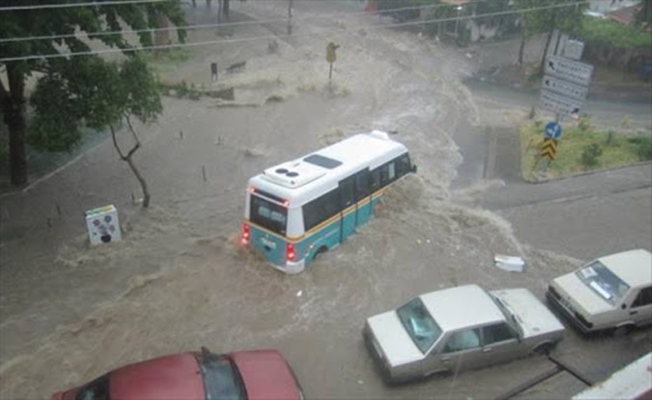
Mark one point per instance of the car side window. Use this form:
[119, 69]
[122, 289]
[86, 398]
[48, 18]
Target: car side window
[497, 333]
[463, 340]
[96, 390]
[644, 297]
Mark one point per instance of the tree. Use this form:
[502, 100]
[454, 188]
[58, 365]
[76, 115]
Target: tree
[104, 94]
[643, 16]
[47, 22]
[565, 18]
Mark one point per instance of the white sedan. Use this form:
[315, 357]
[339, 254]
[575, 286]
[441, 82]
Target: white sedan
[460, 328]
[611, 293]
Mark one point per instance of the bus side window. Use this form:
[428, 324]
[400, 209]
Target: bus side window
[362, 182]
[347, 192]
[375, 180]
[320, 209]
[392, 171]
[387, 173]
[403, 165]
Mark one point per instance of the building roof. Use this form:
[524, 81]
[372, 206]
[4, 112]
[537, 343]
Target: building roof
[625, 15]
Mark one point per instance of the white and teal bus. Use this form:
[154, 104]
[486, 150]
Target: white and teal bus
[299, 209]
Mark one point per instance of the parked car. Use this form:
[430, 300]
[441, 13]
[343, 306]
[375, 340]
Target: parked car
[459, 328]
[256, 374]
[612, 292]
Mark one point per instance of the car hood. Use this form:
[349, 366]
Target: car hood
[266, 375]
[580, 296]
[396, 344]
[533, 317]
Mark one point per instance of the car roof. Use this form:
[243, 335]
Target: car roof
[634, 266]
[266, 374]
[170, 377]
[462, 306]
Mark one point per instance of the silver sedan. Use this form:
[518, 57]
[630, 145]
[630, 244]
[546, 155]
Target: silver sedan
[460, 328]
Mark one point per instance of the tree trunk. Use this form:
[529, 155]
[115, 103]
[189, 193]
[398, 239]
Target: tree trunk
[545, 51]
[553, 25]
[128, 159]
[226, 7]
[143, 184]
[13, 104]
[521, 49]
[162, 38]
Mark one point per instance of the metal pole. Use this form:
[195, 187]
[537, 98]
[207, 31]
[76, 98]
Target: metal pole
[290, 11]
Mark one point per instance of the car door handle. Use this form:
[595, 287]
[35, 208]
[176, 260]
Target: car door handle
[445, 359]
[633, 312]
[487, 349]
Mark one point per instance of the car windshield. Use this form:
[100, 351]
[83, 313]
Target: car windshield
[602, 281]
[419, 324]
[96, 390]
[269, 215]
[221, 378]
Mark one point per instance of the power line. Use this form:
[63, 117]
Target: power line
[208, 26]
[205, 43]
[69, 5]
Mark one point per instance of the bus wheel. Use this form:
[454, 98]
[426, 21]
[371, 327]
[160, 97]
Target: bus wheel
[321, 250]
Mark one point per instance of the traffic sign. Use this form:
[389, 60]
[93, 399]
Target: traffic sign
[564, 88]
[549, 149]
[553, 131]
[559, 104]
[569, 70]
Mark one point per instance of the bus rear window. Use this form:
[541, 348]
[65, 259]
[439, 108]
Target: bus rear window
[268, 215]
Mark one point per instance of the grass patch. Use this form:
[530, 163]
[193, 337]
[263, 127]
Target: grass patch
[580, 150]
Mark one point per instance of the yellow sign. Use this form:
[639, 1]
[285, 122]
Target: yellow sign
[549, 149]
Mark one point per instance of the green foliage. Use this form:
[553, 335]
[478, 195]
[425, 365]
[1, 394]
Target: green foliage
[623, 150]
[584, 124]
[83, 89]
[89, 91]
[591, 155]
[564, 18]
[601, 32]
[643, 145]
[643, 17]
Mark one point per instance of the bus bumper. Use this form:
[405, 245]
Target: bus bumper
[292, 267]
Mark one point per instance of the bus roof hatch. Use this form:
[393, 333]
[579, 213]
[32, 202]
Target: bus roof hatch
[294, 174]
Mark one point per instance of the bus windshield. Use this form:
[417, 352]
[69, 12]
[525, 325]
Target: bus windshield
[268, 215]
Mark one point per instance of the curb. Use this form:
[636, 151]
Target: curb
[541, 181]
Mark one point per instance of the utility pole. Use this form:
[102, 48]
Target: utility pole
[290, 11]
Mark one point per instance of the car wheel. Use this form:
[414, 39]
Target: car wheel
[622, 331]
[544, 348]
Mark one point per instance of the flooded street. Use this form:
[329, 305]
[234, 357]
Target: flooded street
[178, 280]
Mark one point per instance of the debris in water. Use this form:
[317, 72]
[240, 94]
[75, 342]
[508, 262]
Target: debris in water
[360, 382]
[418, 241]
[299, 293]
[509, 263]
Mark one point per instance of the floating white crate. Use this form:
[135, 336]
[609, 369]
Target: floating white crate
[103, 225]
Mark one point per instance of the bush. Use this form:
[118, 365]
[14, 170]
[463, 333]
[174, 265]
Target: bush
[591, 155]
[643, 147]
[584, 124]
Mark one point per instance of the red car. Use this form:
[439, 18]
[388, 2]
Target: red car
[256, 374]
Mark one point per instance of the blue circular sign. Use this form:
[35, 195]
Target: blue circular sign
[553, 131]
